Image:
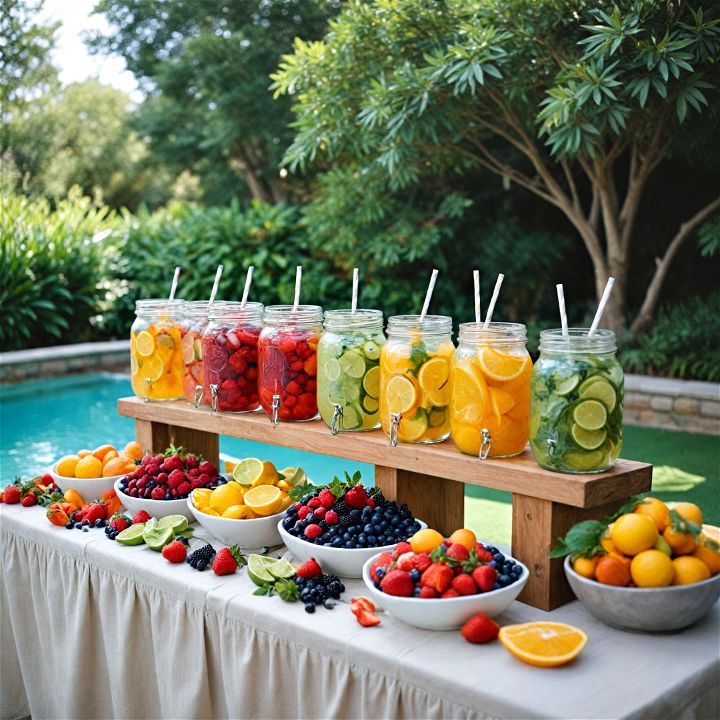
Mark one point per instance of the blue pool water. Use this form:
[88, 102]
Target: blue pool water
[41, 421]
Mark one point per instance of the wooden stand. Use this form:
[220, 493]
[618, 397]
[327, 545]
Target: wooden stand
[429, 478]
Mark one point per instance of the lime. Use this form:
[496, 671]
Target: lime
[590, 414]
[281, 569]
[258, 569]
[371, 382]
[588, 439]
[132, 535]
[331, 369]
[371, 350]
[566, 386]
[585, 461]
[197, 349]
[437, 417]
[156, 538]
[349, 390]
[587, 382]
[351, 418]
[600, 390]
[352, 364]
[370, 404]
[178, 523]
[413, 428]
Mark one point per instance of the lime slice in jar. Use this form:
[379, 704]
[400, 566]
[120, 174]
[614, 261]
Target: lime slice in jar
[413, 428]
[349, 390]
[331, 369]
[585, 461]
[371, 382]
[588, 439]
[371, 350]
[587, 382]
[437, 416]
[352, 364]
[351, 417]
[567, 385]
[590, 414]
[600, 390]
[370, 404]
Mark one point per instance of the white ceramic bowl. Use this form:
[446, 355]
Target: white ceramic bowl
[343, 562]
[156, 508]
[255, 533]
[444, 613]
[665, 609]
[90, 488]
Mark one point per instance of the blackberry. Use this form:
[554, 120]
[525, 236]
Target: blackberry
[355, 516]
[200, 558]
[344, 520]
[379, 499]
[341, 507]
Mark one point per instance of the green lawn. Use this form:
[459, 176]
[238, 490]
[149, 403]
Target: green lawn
[687, 467]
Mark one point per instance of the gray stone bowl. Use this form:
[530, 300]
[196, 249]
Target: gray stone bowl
[666, 609]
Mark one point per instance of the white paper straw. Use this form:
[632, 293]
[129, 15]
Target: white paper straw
[601, 305]
[563, 314]
[298, 282]
[493, 300]
[173, 287]
[216, 284]
[428, 295]
[476, 281]
[355, 290]
[248, 283]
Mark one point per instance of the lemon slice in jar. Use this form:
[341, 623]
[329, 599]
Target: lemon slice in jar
[188, 348]
[152, 368]
[413, 428]
[400, 394]
[144, 344]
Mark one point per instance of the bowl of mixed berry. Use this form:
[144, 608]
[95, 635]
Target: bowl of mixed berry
[343, 524]
[161, 484]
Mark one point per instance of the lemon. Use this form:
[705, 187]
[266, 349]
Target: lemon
[239, 512]
[470, 396]
[413, 428]
[201, 497]
[226, 496]
[433, 378]
[264, 500]
[499, 366]
[144, 344]
[252, 472]
[401, 394]
[294, 476]
[151, 368]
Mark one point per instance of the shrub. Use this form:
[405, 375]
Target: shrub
[683, 342]
[50, 269]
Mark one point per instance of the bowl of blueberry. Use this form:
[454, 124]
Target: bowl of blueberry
[443, 588]
[343, 524]
[161, 484]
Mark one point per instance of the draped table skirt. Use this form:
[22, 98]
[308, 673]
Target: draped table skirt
[92, 629]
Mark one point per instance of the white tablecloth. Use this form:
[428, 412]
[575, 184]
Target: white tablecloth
[92, 629]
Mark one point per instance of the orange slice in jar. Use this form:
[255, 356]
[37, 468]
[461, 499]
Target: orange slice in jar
[502, 402]
[500, 366]
[434, 378]
[151, 368]
[144, 344]
[469, 396]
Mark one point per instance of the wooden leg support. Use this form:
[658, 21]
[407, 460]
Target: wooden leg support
[155, 437]
[438, 502]
[536, 526]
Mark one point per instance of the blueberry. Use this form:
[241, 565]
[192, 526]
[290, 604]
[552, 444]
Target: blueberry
[491, 549]
[516, 571]
[337, 542]
[380, 572]
[329, 604]
[78, 526]
[416, 591]
[372, 540]
[415, 575]
[350, 545]
[492, 564]
[310, 607]
[498, 558]
[368, 528]
[310, 518]
[99, 523]
[70, 525]
[168, 496]
[504, 580]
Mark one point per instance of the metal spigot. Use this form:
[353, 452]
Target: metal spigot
[337, 415]
[275, 408]
[198, 396]
[395, 419]
[214, 398]
[551, 444]
[485, 445]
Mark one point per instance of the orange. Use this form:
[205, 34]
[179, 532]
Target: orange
[464, 537]
[89, 467]
[109, 456]
[681, 543]
[66, 465]
[606, 542]
[229, 466]
[118, 466]
[586, 566]
[425, 540]
[656, 510]
[689, 570]
[500, 366]
[689, 511]
[133, 450]
[707, 551]
[83, 453]
[74, 498]
[652, 568]
[632, 533]
[611, 570]
[103, 450]
[543, 644]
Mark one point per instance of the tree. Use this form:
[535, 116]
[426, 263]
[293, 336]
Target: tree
[205, 65]
[576, 102]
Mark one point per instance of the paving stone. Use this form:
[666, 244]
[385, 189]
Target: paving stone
[661, 403]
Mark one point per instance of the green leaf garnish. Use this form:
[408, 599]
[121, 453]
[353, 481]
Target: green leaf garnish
[418, 357]
[581, 540]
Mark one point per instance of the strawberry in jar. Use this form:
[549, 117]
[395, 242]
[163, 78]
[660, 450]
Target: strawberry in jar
[288, 361]
[230, 356]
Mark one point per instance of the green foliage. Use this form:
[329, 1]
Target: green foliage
[50, 264]
[709, 237]
[682, 342]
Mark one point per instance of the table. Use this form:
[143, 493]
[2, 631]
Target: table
[92, 629]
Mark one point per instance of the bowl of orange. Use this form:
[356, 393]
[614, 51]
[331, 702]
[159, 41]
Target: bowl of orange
[93, 472]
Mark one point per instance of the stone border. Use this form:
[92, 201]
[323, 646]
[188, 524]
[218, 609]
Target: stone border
[687, 405]
[64, 360]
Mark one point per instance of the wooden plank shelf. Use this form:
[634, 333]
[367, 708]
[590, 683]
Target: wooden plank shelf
[429, 478]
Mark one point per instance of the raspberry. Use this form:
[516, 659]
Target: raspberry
[313, 531]
[326, 498]
[422, 561]
[401, 548]
[141, 517]
[314, 503]
[184, 488]
[356, 497]
[176, 478]
[320, 512]
[207, 468]
[303, 512]
[309, 569]
[331, 517]
[174, 462]
[29, 500]
[157, 493]
[175, 551]
[191, 462]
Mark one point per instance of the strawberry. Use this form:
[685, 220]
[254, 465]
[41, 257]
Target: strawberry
[450, 593]
[326, 498]
[480, 629]
[482, 554]
[464, 584]
[406, 562]
[309, 569]
[422, 561]
[428, 592]
[192, 462]
[11, 496]
[437, 576]
[457, 552]
[175, 551]
[96, 511]
[119, 522]
[227, 560]
[398, 582]
[29, 500]
[141, 517]
[356, 497]
[401, 548]
[367, 619]
[484, 577]
[361, 603]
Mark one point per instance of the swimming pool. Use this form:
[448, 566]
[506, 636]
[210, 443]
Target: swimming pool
[43, 420]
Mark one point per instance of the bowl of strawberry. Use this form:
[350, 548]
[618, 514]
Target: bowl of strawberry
[443, 588]
[161, 484]
[343, 524]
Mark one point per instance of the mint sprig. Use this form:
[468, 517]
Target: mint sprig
[581, 540]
